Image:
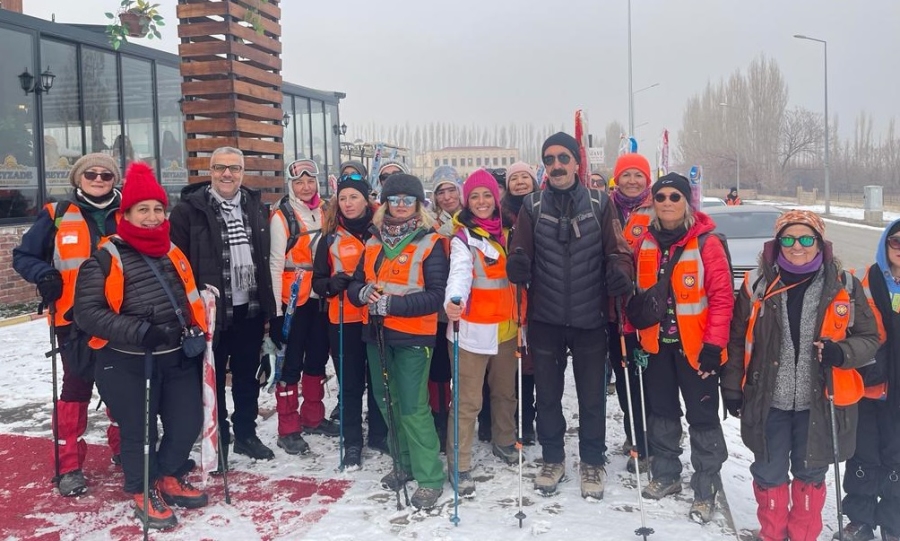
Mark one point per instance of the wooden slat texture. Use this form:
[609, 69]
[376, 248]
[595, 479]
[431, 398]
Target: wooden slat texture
[219, 107]
[218, 69]
[216, 48]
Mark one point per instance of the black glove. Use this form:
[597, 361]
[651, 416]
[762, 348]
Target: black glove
[50, 286]
[710, 358]
[155, 336]
[518, 268]
[832, 354]
[617, 282]
[338, 283]
[733, 406]
[276, 330]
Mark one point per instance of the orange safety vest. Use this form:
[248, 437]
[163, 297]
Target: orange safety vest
[637, 223]
[879, 391]
[115, 285]
[71, 247]
[492, 297]
[299, 257]
[847, 382]
[733, 202]
[345, 252]
[688, 292]
[401, 276]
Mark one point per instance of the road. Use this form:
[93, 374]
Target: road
[854, 246]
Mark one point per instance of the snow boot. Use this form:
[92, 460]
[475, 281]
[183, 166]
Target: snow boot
[72, 423]
[466, 483]
[395, 479]
[72, 484]
[287, 403]
[253, 448]
[161, 516]
[772, 511]
[856, 531]
[658, 489]
[312, 409]
[644, 463]
[327, 427]
[593, 481]
[805, 517]
[506, 453]
[293, 444]
[353, 457]
[702, 509]
[426, 498]
[177, 491]
[551, 475]
[336, 412]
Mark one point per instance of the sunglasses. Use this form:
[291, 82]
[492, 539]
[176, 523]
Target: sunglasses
[673, 197]
[235, 169]
[384, 176]
[105, 177]
[805, 240]
[351, 176]
[894, 242]
[561, 158]
[298, 168]
[402, 200]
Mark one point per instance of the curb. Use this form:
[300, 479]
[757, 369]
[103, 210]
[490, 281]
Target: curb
[24, 318]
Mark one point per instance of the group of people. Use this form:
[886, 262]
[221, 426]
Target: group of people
[395, 290]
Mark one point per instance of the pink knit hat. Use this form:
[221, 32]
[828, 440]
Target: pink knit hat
[519, 167]
[481, 179]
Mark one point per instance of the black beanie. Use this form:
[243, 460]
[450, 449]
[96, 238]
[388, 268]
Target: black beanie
[361, 186]
[403, 183]
[564, 140]
[673, 180]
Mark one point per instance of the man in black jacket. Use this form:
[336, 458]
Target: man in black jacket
[222, 227]
[571, 252]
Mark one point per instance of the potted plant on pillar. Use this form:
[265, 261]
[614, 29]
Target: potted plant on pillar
[135, 19]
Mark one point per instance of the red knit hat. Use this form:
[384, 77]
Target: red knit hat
[140, 185]
[632, 161]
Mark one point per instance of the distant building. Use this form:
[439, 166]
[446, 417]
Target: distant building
[464, 159]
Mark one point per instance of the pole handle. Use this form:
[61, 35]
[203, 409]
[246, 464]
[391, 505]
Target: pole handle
[456, 301]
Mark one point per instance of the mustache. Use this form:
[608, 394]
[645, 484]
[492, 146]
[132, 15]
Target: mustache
[558, 173]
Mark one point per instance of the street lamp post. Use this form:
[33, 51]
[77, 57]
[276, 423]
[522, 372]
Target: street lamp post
[630, 81]
[827, 150]
[737, 152]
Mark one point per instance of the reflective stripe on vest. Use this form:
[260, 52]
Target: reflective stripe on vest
[345, 252]
[298, 257]
[114, 287]
[402, 275]
[492, 297]
[637, 223]
[878, 391]
[688, 293]
[71, 248]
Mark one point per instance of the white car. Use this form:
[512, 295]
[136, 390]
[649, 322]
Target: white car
[713, 202]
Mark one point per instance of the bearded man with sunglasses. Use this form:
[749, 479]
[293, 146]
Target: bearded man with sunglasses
[221, 226]
[568, 248]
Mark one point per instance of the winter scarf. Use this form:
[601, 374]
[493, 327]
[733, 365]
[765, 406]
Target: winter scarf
[358, 227]
[491, 228]
[627, 205]
[509, 208]
[806, 268]
[668, 237]
[396, 233]
[149, 241]
[237, 238]
[98, 208]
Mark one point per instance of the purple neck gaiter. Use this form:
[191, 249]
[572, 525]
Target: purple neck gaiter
[806, 268]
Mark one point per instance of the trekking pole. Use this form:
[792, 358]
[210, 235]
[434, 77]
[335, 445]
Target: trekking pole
[455, 518]
[223, 463]
[392, 422]
[148, 373]
[643, 531]
[55, 421]
[341, 377]
[640, 373]
[520, 353]
[829, 387]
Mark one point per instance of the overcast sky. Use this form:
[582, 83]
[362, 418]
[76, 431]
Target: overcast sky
[502, 61]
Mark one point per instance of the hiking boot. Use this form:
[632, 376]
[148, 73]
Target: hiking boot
[353, 457]
[484, 432]
[380, 445]
[426, 498]
[593, 481]
[177, 491]
[660, 488]
[550, 476]
[253, 448]
[702, 510]
[466, 484]
[293, 444]
[858, 531]
[72, 484]
[326, 428]
[506, 453]
[160, 515]
[336, 413]
[395, 479]
[644, 463]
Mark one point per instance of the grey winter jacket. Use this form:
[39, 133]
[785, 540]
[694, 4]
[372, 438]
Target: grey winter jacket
[757, 393]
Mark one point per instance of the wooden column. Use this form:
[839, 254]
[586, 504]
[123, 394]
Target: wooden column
[11, 5]
[231, 67]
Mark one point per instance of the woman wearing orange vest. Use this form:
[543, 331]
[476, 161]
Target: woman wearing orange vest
[401, 278]
[686, 346]
[872, 480]
[633, 203]
[298, 221]
[62, 237]
[733, 199]
[796, 316]
[487, 325]
[346, 230]
[124, 306]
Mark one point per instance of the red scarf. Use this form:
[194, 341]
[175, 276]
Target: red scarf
[149, 241]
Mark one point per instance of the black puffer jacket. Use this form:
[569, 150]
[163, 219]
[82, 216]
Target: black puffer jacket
[195, 229]
[144, 303]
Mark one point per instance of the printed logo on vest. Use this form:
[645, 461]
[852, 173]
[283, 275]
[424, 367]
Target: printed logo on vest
[689, 280]
[70, 238]
[841, 309]
[403, 259]
[637, 230]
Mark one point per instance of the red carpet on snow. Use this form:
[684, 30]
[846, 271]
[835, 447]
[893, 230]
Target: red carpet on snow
[33, 510]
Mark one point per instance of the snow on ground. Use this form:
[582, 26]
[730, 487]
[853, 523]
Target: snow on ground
[837, 212]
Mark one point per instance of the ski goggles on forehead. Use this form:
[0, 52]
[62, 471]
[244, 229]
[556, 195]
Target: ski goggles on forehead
[298, 168]
[805, 240]
[893, 242]
[351, 176]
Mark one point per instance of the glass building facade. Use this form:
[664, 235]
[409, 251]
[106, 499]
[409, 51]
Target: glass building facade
[126, 103]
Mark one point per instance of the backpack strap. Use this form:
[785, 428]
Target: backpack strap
[848, 282]
[294, 232]
[598, 203]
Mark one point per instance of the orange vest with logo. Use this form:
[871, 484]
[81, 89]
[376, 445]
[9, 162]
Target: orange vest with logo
[492, 297]
[688, 292]
[345, 252]
[401, 276]
[115, 285]
[638, 222]
[71, 247]
[848, 383]
[299, 257]
[879, 391]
